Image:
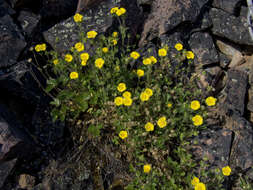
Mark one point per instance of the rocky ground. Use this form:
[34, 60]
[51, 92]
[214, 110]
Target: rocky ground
[34, 151]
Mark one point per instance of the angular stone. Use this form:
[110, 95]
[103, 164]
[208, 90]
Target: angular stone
[22, 80]
[5, 169]
[11, 42]
[235, 89]
[229, 6]
[28, 21]
[14, 143]
[227, 48]
[230, 27]
[5, 9]
[166, 15]
[65, 34]
[204, 49]
[241, 151]
[224, 61]
[214, 144]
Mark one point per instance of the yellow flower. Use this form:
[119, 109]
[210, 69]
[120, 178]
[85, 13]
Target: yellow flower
[84, 63]
[148, 91]
[169, 105]
[105, 49]
[117, 68]
[118, 101]
[226, 171]
[91, 34]
[43, 47]
[73, 75]
[153, 59]
[162, 52]
[40, 47]
[200, 186]
[197, 120]
[123, 134]
[162, 122]
[127, 101]
[127, 94]
[55, 61]
[211, 101]
[114, 42]
[78, 17]
[189, 55]
[140, 72]
[147, 168]
[115, 34]
[144, 97]
[79, 46]
[149, 126]
[120, 11]
[147, 61]
[179, 47]
[68, 58]
[195, 105]
[84, 56]
[195, 181]
[99, 63]
[121, 87]
[135, 55]
[114, 10]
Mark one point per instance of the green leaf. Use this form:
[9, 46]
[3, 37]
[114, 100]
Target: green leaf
[95, 130]
[56, 102]
[51, 84]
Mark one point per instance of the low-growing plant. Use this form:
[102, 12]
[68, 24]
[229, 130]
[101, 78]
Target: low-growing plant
[151, 105]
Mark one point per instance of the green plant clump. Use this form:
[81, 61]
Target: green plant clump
[151, 111]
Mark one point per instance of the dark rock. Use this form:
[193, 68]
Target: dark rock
[214, 144]
[224, 61]
[58, 8]
[167, 15]
[236, 88]
[5, 9]
[229, 6]
[230, 27]
[5, 170]
[14, 143]
[11, 42]
[28, 21]
[65, 34]
[203, 47]
[241, 151]
[19, 3]
[22, 80]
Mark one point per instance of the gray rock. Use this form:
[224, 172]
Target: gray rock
[224, 61]
[5, 9]
[235, 89]
[5, 169]
[167, 15]
[203, 47]
[22, 80]
[229, 6]
[11, 42]
[214, 144]
[28, 21]
[241, 150]
[19, 3]
[14, 142]
[65, 34]
[230, 27]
